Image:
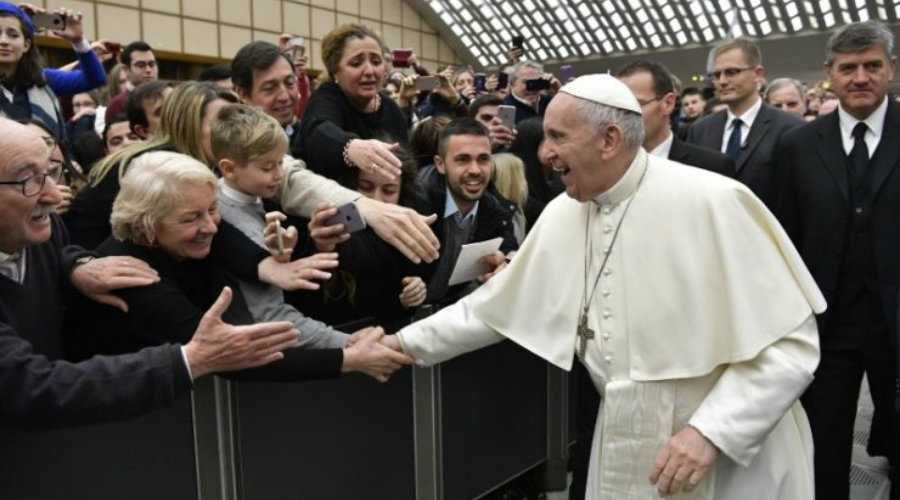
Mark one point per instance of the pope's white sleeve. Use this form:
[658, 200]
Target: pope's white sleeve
[454, 330]
[751, 397]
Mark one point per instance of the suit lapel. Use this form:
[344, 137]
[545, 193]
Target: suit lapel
[757, 132]
[888, 152]
[831, 151]
[718, 131]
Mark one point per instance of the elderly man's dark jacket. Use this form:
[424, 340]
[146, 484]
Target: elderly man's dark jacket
[40, 389]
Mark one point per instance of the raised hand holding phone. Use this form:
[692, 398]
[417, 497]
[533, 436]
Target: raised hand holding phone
[279, 241]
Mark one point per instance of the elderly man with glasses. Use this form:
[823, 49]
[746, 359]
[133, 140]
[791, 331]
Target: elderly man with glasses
[748, 129]
[39, 389]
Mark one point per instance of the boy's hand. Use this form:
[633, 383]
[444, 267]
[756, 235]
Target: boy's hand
[280, 251]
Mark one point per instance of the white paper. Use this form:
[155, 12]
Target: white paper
[467, 265]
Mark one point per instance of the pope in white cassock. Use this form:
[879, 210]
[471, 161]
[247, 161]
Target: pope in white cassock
[682, 296]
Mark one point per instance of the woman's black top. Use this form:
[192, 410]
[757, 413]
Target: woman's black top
[330, 121]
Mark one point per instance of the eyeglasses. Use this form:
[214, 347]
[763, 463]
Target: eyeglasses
[33, 185]
[648, 101]
[728, 73]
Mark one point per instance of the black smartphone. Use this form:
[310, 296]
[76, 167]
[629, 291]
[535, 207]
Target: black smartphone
[518, 42]
[502, 80]
[537, 84]
[479, 81]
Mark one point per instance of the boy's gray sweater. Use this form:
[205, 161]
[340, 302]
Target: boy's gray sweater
[265, 301]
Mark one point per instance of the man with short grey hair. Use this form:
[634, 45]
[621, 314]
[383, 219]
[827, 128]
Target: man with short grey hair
[786, 94]
[641, 273]
[530, 89]
[839, 199]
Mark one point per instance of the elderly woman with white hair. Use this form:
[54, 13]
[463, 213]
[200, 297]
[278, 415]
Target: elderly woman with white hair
[166, 214]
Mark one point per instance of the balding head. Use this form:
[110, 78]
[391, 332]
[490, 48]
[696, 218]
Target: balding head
[24, 219]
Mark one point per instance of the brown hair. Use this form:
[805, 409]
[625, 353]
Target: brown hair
[751, 52]
[335, 40]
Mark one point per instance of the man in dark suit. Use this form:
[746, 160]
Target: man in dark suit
[838, 197]
[38, 388]
[749, 129]
[653, 86]
[458, 186]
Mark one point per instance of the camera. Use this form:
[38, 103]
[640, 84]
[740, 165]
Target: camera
[537, 84]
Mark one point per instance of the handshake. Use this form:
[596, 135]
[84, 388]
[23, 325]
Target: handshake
[372, 352]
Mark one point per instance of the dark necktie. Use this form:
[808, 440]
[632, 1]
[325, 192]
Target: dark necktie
[733, 148]
[859, 155]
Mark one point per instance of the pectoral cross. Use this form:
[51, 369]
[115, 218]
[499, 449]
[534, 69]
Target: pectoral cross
[584, 333]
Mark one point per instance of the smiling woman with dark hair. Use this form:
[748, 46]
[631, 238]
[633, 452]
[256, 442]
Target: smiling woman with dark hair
[28, 90]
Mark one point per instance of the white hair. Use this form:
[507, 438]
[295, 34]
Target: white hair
[600, 115]
[151, 189]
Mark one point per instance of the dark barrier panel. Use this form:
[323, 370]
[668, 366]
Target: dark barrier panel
[350, 439]
[149, 457]
[493, 416]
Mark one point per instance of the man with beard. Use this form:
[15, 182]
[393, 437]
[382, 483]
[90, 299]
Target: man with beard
[456, 186]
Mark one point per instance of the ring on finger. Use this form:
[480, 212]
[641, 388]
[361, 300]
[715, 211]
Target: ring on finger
[374, 166]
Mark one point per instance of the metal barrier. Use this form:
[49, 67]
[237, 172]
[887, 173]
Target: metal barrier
[454, 431]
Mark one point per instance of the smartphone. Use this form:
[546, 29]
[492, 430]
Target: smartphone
[401, 57]
[479, 81]
[46, 20]
[565, 73]
[297, 41]
[507, 115]
[518, 42]
[502, 80]
[279, 236]
[349, 216]
[298, 47]
[114, 47]
[427, 83]
[537, 84]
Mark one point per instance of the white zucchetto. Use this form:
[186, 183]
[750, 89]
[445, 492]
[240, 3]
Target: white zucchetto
[603, 89]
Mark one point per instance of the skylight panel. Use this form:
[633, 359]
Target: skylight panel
[760, 14]
[584, 10]
[466, 15]
[616, 19]
[436, 6]
[642, 16]
[593, 23]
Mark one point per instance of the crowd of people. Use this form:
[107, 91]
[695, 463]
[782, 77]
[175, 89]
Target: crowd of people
[154, 231]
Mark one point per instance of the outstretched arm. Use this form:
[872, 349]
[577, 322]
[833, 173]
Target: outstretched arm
[453, 331]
